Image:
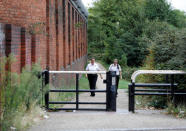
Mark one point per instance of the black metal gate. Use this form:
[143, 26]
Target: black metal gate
[167, 89]
[110, 103]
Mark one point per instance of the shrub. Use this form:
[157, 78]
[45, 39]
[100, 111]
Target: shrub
[167, 52]
[127, 72]
[19, 92]
[178, 111]
[158, 102]
[152, 102]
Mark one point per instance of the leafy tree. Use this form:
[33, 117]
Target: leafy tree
[126, 28]
[114, 28]
[169, 50]
[177, 18]
[157, 9]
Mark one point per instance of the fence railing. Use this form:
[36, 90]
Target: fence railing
[172, 91]
[110, 100]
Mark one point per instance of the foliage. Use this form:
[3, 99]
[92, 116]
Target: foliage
[127, 72]
[37, 28]
[157, 102]
[162, 10]
[125, 29]
[114, 29]
[157, 9]
[167, 52]
[151, 102]
[123, 84]
[149, 34]
[19, 93]
[178, 111]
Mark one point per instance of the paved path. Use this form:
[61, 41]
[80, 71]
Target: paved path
[121, 120]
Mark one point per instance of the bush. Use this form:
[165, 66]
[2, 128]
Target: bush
[19, 92]
[158, 102]
[169, 50]
[127, 72]
[123, 60]
[178, 111]
[166, 53]
[152, 102]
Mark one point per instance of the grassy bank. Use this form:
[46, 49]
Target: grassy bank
[123, 84]
[83, 83]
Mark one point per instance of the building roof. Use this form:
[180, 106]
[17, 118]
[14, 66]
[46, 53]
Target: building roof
[80, 6]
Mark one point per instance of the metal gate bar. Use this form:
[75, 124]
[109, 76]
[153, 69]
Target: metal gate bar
[160, 92]
[80, 90]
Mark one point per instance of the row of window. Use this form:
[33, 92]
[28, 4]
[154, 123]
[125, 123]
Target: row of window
[74, 32]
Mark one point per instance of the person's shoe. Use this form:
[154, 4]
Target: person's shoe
[92, 95]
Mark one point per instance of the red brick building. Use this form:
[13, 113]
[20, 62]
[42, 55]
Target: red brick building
[52, 32]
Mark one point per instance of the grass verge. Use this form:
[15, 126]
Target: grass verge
[123, 84]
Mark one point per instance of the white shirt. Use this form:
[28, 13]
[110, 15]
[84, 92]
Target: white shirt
[92, 67]
[116, 68]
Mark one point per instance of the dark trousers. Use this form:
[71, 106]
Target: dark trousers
[117, 83]
[92, 78]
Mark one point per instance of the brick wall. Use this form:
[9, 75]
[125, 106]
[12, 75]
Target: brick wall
[30, 14]
[64, 40]
[17, 41]
[55, 29]
[52, 32]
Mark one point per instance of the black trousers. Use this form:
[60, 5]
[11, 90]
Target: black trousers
[92, 78]
[117, 83]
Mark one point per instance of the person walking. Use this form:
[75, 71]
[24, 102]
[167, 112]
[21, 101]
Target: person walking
[117, 68]
[92, 78]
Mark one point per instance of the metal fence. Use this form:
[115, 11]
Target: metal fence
[110, 91]
[169, 85]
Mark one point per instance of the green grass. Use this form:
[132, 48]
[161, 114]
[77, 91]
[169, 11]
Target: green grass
[123, 84]
[83, 83]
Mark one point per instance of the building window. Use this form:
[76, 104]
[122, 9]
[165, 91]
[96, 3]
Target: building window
[23, 49]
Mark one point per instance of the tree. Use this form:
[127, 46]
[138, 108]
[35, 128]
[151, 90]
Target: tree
[157, 9]
[114, 28]
[126, 28]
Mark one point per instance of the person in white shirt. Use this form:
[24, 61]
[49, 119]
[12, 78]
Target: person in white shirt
[117, 68]
[92, 78]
